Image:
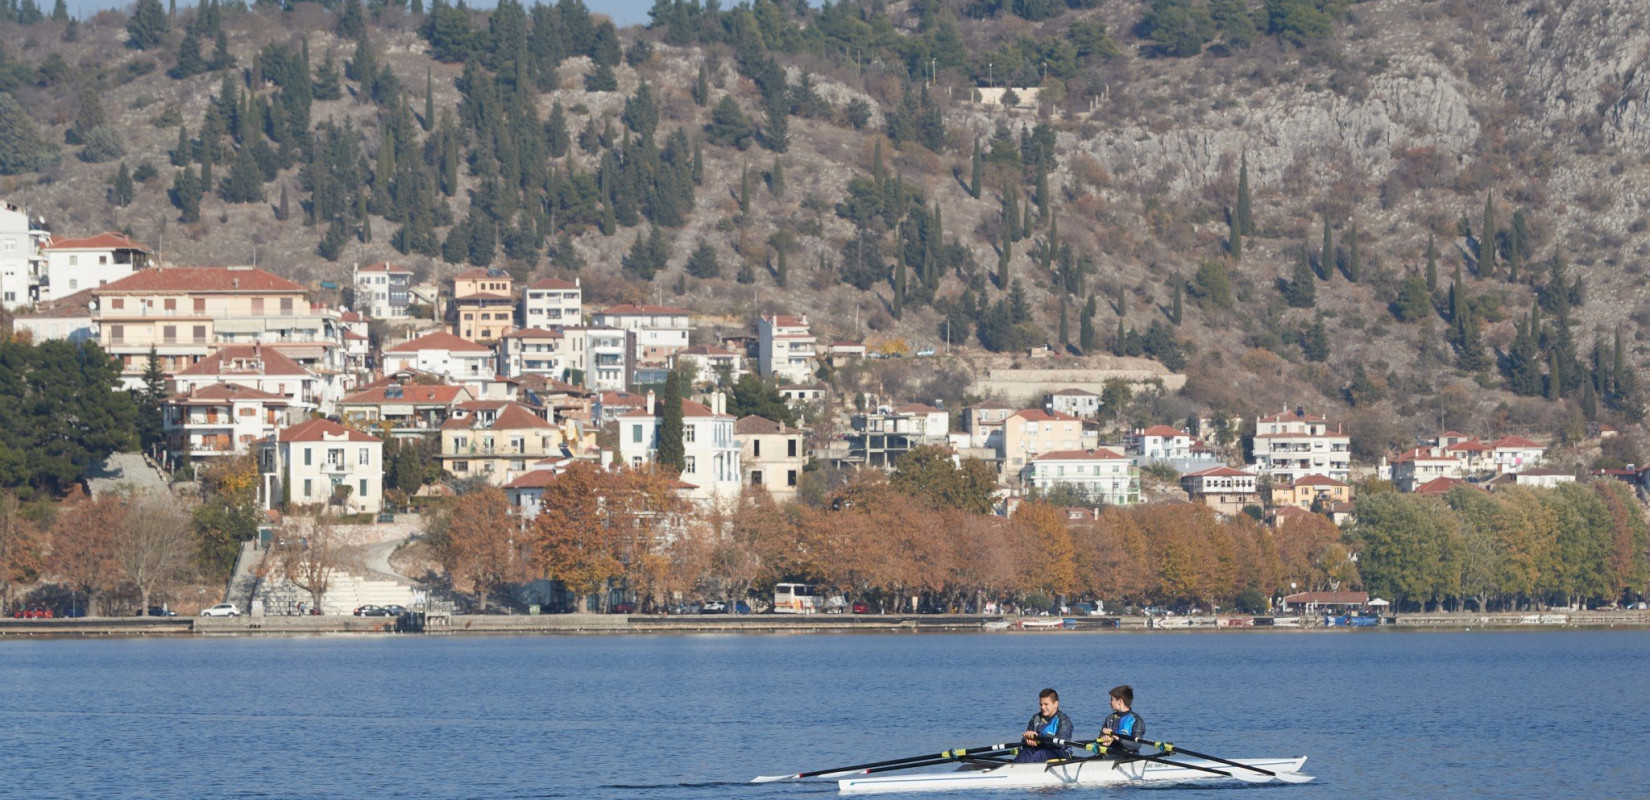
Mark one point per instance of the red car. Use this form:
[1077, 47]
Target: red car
[861, 608]
[33, 613]
[624, 608]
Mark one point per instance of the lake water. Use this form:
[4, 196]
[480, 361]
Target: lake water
[1380, 714]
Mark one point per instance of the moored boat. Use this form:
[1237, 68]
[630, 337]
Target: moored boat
[1089, 772]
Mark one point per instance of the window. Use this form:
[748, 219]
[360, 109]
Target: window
[171, 304]
[306, 488]
[74, 261]
[363, 490]
[116, 304]
[73, 284]
[257, 305]
[790, 478]
[688, 433]
[247, 411]
[286, 306]
[169, 334]
[200, 305]
[757, 452]
[307, 461]
[636, 434]
[365, 458]
[117, 334]
[461, 466]
[692, 466]
[790, 448]
[756, 477]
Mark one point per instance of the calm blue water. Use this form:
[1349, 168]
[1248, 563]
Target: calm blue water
[1439, 715]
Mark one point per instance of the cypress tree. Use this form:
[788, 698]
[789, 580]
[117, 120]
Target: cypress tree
[1486, 239]
[977, 174]
[1003, 255]
[1432, 264]
[1085, 327]
[122, 190]
[1326, 261]
[776, 178]
[780, 274]
[1352, 269]
[899, 288]
[1120, 343]
[672, 450]
[282, 212]
[701, 86]
[1555, 376]
[1122, 301]
[698, 163]
[1065, 330]
[429, 102]
[1179, 289]
[1245, 222]
[745, 192]
[1234, 237]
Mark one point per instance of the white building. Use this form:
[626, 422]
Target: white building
[22, 256]
[221, 419]
[1076, 402]
[786, 348]
[1101, 475]
[709, 362]
[1516, 454]
[1160, 443]
[441, 353]
[383, 290]
[1419, 466]
[320, 462]
[552, 302]
[264, 369]
[607, 356]
[1291, 445]
[71, 318]
[533, 351]
[74, 265]
[660, 330]
[712, 465]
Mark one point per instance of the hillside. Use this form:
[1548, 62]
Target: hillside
[1392, 120]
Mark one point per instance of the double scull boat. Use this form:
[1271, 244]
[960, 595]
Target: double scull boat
[1075, 773]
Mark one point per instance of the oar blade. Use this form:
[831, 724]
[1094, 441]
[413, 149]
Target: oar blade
[1293, 777]
[773, 778]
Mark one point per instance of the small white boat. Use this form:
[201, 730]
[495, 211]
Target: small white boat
[1092, 772]
[995, 625]
[1047, 624]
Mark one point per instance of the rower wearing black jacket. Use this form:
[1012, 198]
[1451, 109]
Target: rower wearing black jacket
[1120, 730]
[1049, 721]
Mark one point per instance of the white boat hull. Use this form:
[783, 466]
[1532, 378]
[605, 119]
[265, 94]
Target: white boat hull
[1096, 772]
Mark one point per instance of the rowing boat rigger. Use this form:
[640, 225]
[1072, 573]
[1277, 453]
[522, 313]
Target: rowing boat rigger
[1080, 773]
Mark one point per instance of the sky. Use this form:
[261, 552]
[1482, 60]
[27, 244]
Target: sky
[623, 12]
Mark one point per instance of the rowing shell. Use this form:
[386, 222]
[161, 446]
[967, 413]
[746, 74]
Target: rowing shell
[1093, 772]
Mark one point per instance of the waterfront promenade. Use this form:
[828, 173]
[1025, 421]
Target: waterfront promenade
[573, 624]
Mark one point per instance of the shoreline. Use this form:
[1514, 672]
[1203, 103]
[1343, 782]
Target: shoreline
[615, 624]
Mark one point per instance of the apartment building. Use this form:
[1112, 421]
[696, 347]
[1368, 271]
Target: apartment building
[533, 351]
[659, 331]
[483, 307]
[1032, 432]
[552, 302]
[786, 348]
[253, 366]
[406, 409]
[1102, 476]
[712, 464]
[1291, 445]
[22, 255]
[383, 290]
[74, 265]
[222, 419]
[502, 440]
[1226, 490]
[771, 455]
[441, 353]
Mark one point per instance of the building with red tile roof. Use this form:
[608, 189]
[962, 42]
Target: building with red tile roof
[321, 463]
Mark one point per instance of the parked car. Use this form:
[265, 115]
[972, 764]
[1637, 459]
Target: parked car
[1083, 610]
[714, 607]
[372, 611]
[860, 607]
[1640, 606]
[222, 610]
[926, 352]
[741, 607]
[160, 611]
[624, 608]
[396, 611]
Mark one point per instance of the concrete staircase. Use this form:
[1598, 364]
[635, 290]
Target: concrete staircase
[346, 591]
[243, 582]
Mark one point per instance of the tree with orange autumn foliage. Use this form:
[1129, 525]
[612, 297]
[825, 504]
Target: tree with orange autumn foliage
[575, 532]
[20, 546]
[83, 546]
[1052, 568]
[481, 544]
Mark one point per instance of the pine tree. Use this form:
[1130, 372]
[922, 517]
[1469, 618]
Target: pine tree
[647, 255]
[89, 116]
[1524, 361]
[672, 450]
[148, 26]
[1486, 239]
[149, 399]
[977, 174]
[245, 181]
[1432, 264]
[60, 11]
[1315, 341]
[1301, 289]
[1470, 356]
[122, 190]
[703, 263]
[1326, 260]
[186, 195]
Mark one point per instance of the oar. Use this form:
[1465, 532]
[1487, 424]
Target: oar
[1170, 747]
[910, 762]
[1242, 776]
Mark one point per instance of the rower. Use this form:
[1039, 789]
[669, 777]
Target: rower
[1049, 721]
[1120, 730]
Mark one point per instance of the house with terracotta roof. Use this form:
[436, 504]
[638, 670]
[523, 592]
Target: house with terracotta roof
[1421, 465]
[441, 353]
[499, 440]
[320, 462]
[1516, 454]
[552, 302]
[1101, 475]
[71, 318]
[1159, 443]
[383, 290]
[483, 305]
[771, 455]
[1444, 485]
[799, 395]
[526, 492]
[254, 366]
[710, 362]
[984, 422]
[659, 330]
[184, 313]
[1076, 402]
[75, 265]
[786, 348]
[712, 463]
[404, 409]
[1224, 489]
[1293, 444]
[533, 351]
[22, 255]
[1308, 490]
[1542, 477]
[222, 419]
[1031, 432]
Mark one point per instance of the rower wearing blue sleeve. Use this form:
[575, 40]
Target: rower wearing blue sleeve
[1049, 721]
[1118, 732]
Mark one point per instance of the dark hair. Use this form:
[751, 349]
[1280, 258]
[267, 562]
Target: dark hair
[1124, 693]
[1049, 693]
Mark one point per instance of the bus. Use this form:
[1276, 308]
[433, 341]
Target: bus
[795, 598]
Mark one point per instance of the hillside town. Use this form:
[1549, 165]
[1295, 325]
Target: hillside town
[492, 382]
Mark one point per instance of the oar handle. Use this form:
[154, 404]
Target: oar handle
[1146, 756]
[910, 762]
